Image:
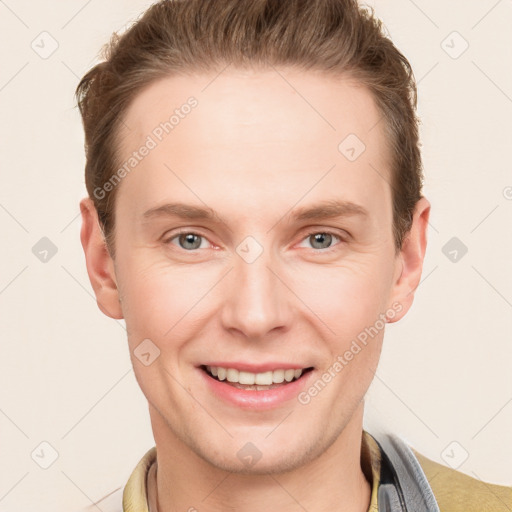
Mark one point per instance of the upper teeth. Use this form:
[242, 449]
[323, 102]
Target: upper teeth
[264, 379]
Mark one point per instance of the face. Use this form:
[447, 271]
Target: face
[256, 234]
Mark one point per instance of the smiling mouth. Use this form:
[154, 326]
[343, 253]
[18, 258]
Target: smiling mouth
[254, 382]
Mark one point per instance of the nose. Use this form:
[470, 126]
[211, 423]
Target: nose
[257, 300]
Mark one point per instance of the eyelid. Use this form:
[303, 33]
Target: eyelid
[313, 231]
[171, 235]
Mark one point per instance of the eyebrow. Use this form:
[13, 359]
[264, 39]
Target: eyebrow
[322, 210]
[329, 209]
[182, 210]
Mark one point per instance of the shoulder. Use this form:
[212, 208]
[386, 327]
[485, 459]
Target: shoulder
[456, 491]
[131, 497]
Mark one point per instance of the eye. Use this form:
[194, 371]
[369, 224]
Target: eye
[322, 240]
[187, 240]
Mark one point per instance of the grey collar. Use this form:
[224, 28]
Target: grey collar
[403, 485]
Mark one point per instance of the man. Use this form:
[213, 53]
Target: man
[279, 139]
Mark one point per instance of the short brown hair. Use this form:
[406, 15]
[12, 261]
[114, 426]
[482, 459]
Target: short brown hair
[334, 36]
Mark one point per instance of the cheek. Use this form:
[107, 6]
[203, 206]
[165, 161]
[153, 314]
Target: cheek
[352, 321]
[346, 297]
[163, 301]
[160, 300]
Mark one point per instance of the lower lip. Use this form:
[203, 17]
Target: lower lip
[254, 399]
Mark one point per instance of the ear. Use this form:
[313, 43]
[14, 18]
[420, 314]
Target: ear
[409, 262]
[100, 266]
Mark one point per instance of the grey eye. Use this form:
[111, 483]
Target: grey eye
[189, 241]
[321, 239]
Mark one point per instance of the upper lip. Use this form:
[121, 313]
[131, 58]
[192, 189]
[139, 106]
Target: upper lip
[256, 368]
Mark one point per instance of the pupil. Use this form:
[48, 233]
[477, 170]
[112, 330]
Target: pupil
[188, 238]
[319, 237]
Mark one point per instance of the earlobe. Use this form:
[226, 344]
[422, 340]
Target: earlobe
[100, 266]
[410, 259]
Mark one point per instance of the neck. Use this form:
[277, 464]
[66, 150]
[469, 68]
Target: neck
[333, 480]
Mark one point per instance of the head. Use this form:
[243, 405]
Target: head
[254, 180]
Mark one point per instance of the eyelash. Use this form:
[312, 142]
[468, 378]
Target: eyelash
[307, 235]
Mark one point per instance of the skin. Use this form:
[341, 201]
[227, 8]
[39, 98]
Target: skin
[254, 151]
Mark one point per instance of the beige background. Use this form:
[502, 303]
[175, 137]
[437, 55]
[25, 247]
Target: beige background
[65, 374]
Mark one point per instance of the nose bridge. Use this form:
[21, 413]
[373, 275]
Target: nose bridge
[257, 299]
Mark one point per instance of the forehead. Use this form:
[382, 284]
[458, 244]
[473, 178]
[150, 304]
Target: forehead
[256, 98]
[256, 129]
